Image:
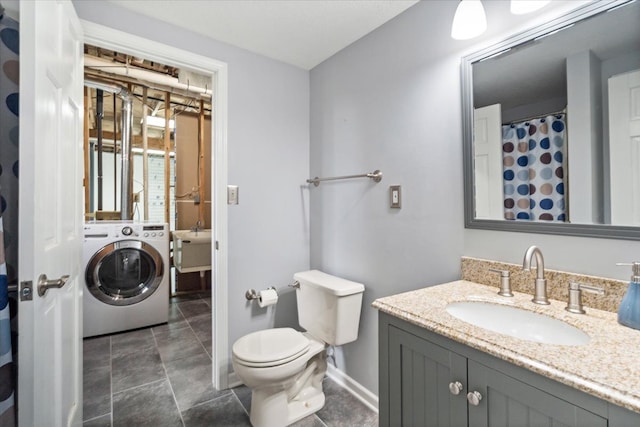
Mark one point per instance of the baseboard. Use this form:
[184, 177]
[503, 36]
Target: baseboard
[353, 387]
[234, 380]
[369, 399]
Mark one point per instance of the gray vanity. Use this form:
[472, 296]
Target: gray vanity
[436, 370]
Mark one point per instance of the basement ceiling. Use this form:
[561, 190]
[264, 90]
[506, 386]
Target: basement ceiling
[303, 33]
[180, 101]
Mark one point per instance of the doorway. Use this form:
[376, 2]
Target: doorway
[163, 166]
[216, 71]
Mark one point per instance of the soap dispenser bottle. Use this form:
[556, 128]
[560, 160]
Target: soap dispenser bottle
[629, 310]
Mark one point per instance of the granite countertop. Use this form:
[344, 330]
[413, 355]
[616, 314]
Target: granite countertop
[607, 367]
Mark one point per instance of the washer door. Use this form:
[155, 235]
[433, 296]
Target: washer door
[124, 272]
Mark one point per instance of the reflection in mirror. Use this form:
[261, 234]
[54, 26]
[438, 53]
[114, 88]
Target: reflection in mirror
[552, 124]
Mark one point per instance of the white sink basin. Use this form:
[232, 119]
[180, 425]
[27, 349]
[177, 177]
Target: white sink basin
[201, 236]
[518, 323]
[192, 250]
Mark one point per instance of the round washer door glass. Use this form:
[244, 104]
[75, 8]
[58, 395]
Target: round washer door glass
[124, 272]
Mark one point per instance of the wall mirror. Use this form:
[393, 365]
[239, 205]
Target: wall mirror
[551, 127]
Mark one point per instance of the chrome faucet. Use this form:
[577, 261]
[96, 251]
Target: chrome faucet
[540, 295]
[197, 227]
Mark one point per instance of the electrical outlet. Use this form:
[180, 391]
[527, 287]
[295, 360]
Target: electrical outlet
[232, 194]
[395, 192]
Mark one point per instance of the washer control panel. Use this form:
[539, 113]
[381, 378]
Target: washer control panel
[119, 230]
[154, 231]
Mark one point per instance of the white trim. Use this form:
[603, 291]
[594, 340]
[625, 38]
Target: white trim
[97, 34]
[219, 177]
[120, 41]
[355, 388]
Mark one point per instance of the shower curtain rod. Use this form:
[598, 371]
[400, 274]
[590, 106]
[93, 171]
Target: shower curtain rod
[539, 116]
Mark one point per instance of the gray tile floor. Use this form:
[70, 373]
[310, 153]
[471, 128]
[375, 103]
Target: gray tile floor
[161, 376]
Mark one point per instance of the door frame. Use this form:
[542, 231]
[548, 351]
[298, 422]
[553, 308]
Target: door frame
[102, 36]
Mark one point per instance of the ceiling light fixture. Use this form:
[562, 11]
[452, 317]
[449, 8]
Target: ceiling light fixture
[521, 7]
[469, 21]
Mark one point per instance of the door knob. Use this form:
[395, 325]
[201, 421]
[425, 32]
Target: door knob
[455, 387]
[44, 285]
[474, 398]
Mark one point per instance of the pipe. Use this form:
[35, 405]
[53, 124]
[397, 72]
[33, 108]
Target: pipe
[145, 154]
[113, 67]
[99, 116]
[126, 153]
[115, 153]
[108, 87]
[167, 149]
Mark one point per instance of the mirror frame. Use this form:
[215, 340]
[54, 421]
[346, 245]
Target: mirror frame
[568, 229]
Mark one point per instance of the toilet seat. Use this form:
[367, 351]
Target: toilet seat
[270, 347]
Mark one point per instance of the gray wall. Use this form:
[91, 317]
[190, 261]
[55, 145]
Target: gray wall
[268, 153]
[390, 101]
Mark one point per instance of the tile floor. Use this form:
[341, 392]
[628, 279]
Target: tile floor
[161, 376]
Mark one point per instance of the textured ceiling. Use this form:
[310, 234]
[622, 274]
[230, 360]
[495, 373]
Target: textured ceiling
[299, 32]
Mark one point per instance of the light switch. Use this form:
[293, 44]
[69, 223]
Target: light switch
[396, 196]
[232, 194]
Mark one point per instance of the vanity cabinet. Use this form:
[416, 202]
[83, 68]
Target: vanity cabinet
[419, 376]
[507, 401]
[425, 379]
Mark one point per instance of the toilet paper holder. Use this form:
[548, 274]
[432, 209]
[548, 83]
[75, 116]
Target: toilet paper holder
[252, 294]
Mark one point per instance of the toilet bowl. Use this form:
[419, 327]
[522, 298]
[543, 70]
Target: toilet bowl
[284, 368]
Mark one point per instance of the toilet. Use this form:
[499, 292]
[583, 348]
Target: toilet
[284, 368]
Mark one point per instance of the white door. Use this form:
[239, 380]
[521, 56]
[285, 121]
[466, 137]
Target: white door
[487, 146]
[624, 148]
[51, 171]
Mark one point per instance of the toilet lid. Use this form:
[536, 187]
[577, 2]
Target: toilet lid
[270, 347]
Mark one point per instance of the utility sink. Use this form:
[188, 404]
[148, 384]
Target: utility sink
[192, 250]
[517, 323]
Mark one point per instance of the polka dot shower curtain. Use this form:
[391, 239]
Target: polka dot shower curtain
[533, 159]
[9, 70]
[7, 414]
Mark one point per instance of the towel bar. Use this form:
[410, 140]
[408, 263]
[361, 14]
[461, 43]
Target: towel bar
[375, 175]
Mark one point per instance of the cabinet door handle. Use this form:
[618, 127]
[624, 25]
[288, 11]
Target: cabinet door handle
[455, 387]
[474, 398]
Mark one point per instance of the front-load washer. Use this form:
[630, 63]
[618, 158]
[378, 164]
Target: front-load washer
[126, 276]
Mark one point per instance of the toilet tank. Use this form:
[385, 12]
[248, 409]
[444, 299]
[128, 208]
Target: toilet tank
[328, 306]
